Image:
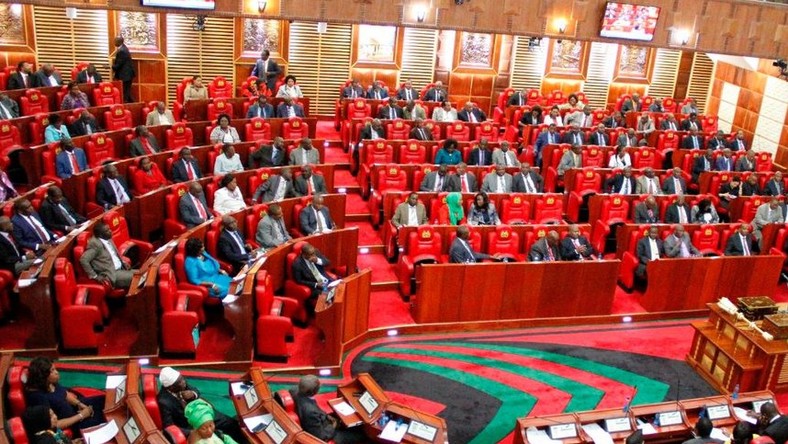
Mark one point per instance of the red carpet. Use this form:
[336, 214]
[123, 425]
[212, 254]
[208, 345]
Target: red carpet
[366, 235]
[387, 309]
[356, 205]
[325, 130]
[343, 178]
[382, 270]
[627, 303]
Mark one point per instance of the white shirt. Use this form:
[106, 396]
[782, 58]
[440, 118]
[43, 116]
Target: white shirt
[116, 262]
[654, 248]
[321, 222]
[501, 185]
[164, 120]
[413, 218]
[120, 194]
[626, 187]
[52, 80]
[550, 119]
[280, 190]
[620, 162]
[529, 184]
[677, 186]
[226, 201]
[224, 165]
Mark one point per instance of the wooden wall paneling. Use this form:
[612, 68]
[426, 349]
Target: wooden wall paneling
[368, 75]
[21, 46]
[683, 76]
[600, 72]
[418, 56]
[245, 57]
[616, 90]
[664, 72]
[148, 47]
[527, 64]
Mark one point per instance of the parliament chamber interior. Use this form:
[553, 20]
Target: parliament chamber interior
[474, 221]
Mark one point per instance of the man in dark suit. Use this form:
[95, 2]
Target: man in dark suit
[192, 206]
[546, 249]
[123, 68]
[703, 429]
[315, 421]
[267, 69]
[437, 180]
[186, 167]
[623, 182]
[718, 142]
[462, 180]
[47, 76]
[70, 160]
[57, 214]
[574, 136]
[437, 93]
[702, 164]
[527, 180]
[309, 270]
[647, 212]
[112, 189]
[576, 247]
[353, 90]
[470, 113]
[277, 187]
[675, 184]
[272, 155]
[740, 243]
[775, 186]
[289, 109]
[628, 139]
[549, 137]
[144, 144]
[615, 121]
[776, 425]
[669, 123]
[738, 143]
[599, 137]
[85, 125]
[678, 212]
[102, 261]
[307, 183]
[231, 246]
[631, 104]
[391, 110]
[750, 186]
[419, 132]
[461, 251]
[407, 92]
[725, 161]
[23, 77]
[9, 109]
[12, 257]
[315, 218]
[89, 75]
[377, 91]
[482, 154]
[261, 108]
[692, 141]
[518, 98]
[649, 248]
[691, 122]
[29, 232]
[372, 131]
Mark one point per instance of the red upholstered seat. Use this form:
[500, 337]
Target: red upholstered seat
[423, 245]
[413, 151]
[179, 136]
[136, 250]
[646, 158]
[273, 327]
[594, 157]
[106, 94]
[500, 108]
[251, 220]
[556, 98]
[763, 162]
[17, 377]
[285, 399]
[149, 390]
[220, 87]
[33, 102]
[710, 124]
[358, 109]
[397, 129]
[630, 261]
[599, 115]
[200, 294]
[434, 128]
[295, 128]
[178, 323]
[486, 130]
[586, 182]
[378, 152]
[614, 210]
[9, 138]
[117, 118]
[81, 66]
[17, 430]
[219, 106]
[257, 130]
[78, 316]
[505, 242]
[48, 155]
[459, 131]
[548, 209]
[667, 141]
[181, 88]
[98, 149]
[534, 97]
[515, 209]
[749, 208]
[36, 128]
[390, 178]
[707, 240]
[173, 226]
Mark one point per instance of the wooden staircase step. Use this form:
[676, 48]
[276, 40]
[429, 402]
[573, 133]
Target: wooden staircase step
[387, 285]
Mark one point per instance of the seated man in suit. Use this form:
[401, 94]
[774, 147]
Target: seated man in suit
[271, 230]
[85, 125]
[746, 162]
[775, 186]
[518, 98]
[669, 123]
[573, 158]
[418, 131]
[690, 107]
[676, 183]
[372, 131]
[377, 91]
[410, 213]
[277, 187]
[549, 137]
[12, 256]
[656, 107]
[437, 180]
[23, 77]
[775, 425]
[767, 213]
[505, 156]
[702, 164]
[647, 212]
[353, 90]
[231, 246]
[413, 111]
[718, 142]
[437, 93]
[750, 186]
[546, 249]
[315, 218]
[649, 248]
[461, 251]
[679, 212]
[693, 141]
[305, 153]
[599, 137]
[574, 136]
[444, 113]
[272, 155]
[576, 247]
[635, 437]
[57, 214]
[628, 139]
[678, 244]
[465, 181]
[29, 231]
[407, 92]
[631, 104]
[648, 183]
[499, 182]
[112, 189]
[47, 76]
[307, 183]
[192, 206]
[144, 143]
[391, 110]
[89, 75]
[691, 123]
[9, 109]
[738, 143]
[616, 120]
[309, 270]
[315, 421]
[261, 109]
[623, 183]
[581, 117]
[102, 261]
[70, 160]
[740, 243]
[288, 109]
[160, 116]
[527, 180]
[471, 113]
[482, 154]
[186, 168]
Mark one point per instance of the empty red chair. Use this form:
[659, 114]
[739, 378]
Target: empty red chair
[78, 320]
[598, 116]
[33, 102]
[106, 94]
[630, 261]
[422, 246]
[515, 209]
[549, 209]
[397, 129]
[669, 105]
[667, 141]
[534, 97]
[390, 178]
[117, 118]
[257, 130]
[358, 109]
[220, 87]
[486, 130]
[614, 210]
[710, 124]
[646, 158]
[459, 131]
[178, 323]
[586, 182]
[179, 136]
[500, 109]
[505, 242]
[9, 138]
[412, 152]
[556, 98]
[374, 152]
[99, 149]
[294, 128]
[594, 157]
[763, 162]
[173, 226]
[749, 208]
[707, 240]
[273, 326]
[219, 106]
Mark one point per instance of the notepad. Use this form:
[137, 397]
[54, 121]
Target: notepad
[421, 430]
[258, 423]
[537, 436]
[102, 434]
[393, 432]
[343, 408]
[597, 434]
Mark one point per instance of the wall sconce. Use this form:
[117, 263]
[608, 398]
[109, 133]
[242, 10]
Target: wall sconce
[421, 14]
[261, 4]
[683, 37]
[16, 9]
[322, 27]
[71, 13]
[560, 24]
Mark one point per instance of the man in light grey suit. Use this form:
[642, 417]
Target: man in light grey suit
[307, 183]
[678, 244]
[527, 180]
[271, 230]
[505, 156]
[461, 251]
[305, 153]
[438, 180]
[102, 261]
[648, 183]
[500, 182]
[160, 116]
[193, 208]
[315, 218]
[573, 158]
[767, 213]
[410, 213]
[277, 187]
[675, 184]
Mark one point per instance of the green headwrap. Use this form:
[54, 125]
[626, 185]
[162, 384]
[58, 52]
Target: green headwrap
[456, 213]
[198, 412]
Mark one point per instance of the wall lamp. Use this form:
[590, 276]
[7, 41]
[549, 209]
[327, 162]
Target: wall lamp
[421, 14]
[560, 24]
[261, 5]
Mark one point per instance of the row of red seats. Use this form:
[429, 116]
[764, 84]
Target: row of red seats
[33, 102]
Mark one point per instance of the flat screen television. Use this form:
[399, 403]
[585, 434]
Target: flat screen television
[631, 22]
[181, 4]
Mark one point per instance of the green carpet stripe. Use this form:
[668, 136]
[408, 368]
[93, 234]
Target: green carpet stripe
[649, 390]
[514, 403]
[584, 397]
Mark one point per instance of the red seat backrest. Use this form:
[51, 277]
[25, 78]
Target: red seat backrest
[458, 131]
[504, 241]
[106, 94]
[33, 102]
[220, 87]
[358, 109]
[706, 238]
[614, 210]
[9, 135]
[397, 129]
[488, 130]
[645, 158]
[258, 130]
[172, 199]
[424, 244]
[99, 149]
[378, 151]
[179, 136]
[391, 178]
[295, 128]
[219, 106]
[549, 209]
[117, 118]
[412, 152]
[594, 157]
[515, 209]
[587, 181]
[253, 218]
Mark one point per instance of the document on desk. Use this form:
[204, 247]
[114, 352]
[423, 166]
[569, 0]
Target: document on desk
[718, 433]
[22, 283]
[230, 298]
[598, 434]
[647, 428]
[257, 423]
[742, 415]
[393, 432]
[102, 434]
[113, 381]
[343, 408]
[538, 436]
[239, 388]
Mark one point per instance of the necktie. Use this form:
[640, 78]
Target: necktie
[506, 159]
[4, 113]
[407, 94]
[421, 133]
[69, 219]
[650, 214]
[472, 117]
[625, 188]
[259, 111]
[281, 228]
[744, 245]
[39, 230]
[672, 126]
[741, 145]
[265, 68]
[353, 93]
[319, 222]
[88, 128]
[520, 99]
[501, 188]
[684, 249]
[238, 240]
[189, 170]
[309, 186]
[576, 243]
[481, 157]
[464, 184]
[577, 140]
[439, 183]
[705, 164]
[290, 111]
[74, 164]
[471, 258]
[13, 244]
[26, 78]
[316, 273]
[200, 209]
[528, 187]
[650, 187]
[550, 256]
[120, 194]
[677, 186]
[695, 142]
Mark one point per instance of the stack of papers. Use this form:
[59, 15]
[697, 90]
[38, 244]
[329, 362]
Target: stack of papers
[393, 431]
[598, 434]
[258, 423]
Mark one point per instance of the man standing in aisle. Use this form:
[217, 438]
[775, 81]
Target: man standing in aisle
[123, 67]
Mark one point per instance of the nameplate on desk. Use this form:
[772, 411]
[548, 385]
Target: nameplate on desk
[276, 432]
[131, 430]
[756, 405]
[563, 431]
[251, 398]
[368, 402]
[258, 423]
[669, 418]
[120, 392]
[142, 280]
[421, 430]
[22, 283]
[614, 425]
[718, 412]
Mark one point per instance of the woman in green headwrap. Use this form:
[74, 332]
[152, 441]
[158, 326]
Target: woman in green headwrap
[452, 213]
[200, 415]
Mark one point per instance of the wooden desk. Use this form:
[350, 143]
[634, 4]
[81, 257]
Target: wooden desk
[544, 423]
[345, 318]
[716, 407]
[134, 423]
[601, 417]
[114, 398]
[665, 433]
[495, 291]
[197, 110]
